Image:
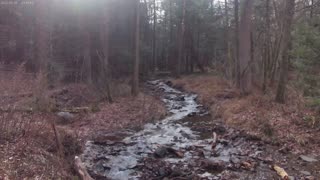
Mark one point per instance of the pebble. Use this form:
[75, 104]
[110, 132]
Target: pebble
[308, 158]
[235, 160]
[310, 178]
[307, 173]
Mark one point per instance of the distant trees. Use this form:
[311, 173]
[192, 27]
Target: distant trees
[99, 42]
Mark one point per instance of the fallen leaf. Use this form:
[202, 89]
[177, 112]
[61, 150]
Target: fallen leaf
[281, 172]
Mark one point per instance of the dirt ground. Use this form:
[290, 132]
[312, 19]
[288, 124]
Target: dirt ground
[211, 149]
[28, 147]
[292, 125]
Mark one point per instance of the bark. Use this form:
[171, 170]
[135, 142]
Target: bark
[135, 83]
[154, 50]
[146, 61]
[171, 42]
[227, 45]
[266, 60]
[106, 73]
[181, 38]
[42, 33]
[287, 23]
[87, 65]
[311, 10]
[245, 47]
[237, 63]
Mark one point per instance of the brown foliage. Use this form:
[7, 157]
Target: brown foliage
[258, 113]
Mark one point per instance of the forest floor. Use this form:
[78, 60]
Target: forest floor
[289, 134]
[28, 147]
[190, 143]
[291, 129]
[292, 125]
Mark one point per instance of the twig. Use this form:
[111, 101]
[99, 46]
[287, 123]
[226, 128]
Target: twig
[81, 170]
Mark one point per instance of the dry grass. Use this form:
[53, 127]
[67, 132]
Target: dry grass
[258, 113]
[33, 153]
[28, 147]
[125, 112]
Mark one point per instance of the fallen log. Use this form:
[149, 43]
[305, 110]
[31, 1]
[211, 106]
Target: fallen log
[74, 110]
[11, 110]
[81, 170]
[17, 95]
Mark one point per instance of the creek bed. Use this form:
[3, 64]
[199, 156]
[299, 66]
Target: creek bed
[179, 147]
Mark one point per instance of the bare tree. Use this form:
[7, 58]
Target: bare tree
[42, 32]
[228, 63]
[181, 38]
[237, 63]
[245, 47]
[87, 56]
[104, 36]
[286, 43]
[267, 43]
[135, 82]
[154, 50]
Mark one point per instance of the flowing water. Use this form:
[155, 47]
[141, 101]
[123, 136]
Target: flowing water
[118, 161]
[180, 145]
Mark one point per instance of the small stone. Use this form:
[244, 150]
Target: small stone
[310, 178]
[163, 172]
[284, 150]
[292, 178]
[307, 173]
[65, 116]
[213, 166]
[235, 160]
[223, 141]
[169, 83]
[192, 114]
[308, 158]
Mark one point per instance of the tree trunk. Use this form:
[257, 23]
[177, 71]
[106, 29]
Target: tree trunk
[154, 50]
[105, 48]
[237, 60]
[171, 42]
[245, 47]
[266, 59]
[228, 63]
[42, 33]
[87, 56]
[287, 23]
[181, 38]
[135, 82]
[311, 10]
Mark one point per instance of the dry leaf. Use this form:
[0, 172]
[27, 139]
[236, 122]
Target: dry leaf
[281, 172]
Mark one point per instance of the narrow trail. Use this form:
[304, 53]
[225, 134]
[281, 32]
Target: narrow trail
[187, 144]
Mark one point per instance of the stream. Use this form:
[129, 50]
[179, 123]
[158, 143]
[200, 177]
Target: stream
[187, 144]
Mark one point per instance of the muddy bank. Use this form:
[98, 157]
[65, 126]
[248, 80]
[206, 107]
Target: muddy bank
[188, 144]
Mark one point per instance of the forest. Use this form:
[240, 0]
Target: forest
[160, 89]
